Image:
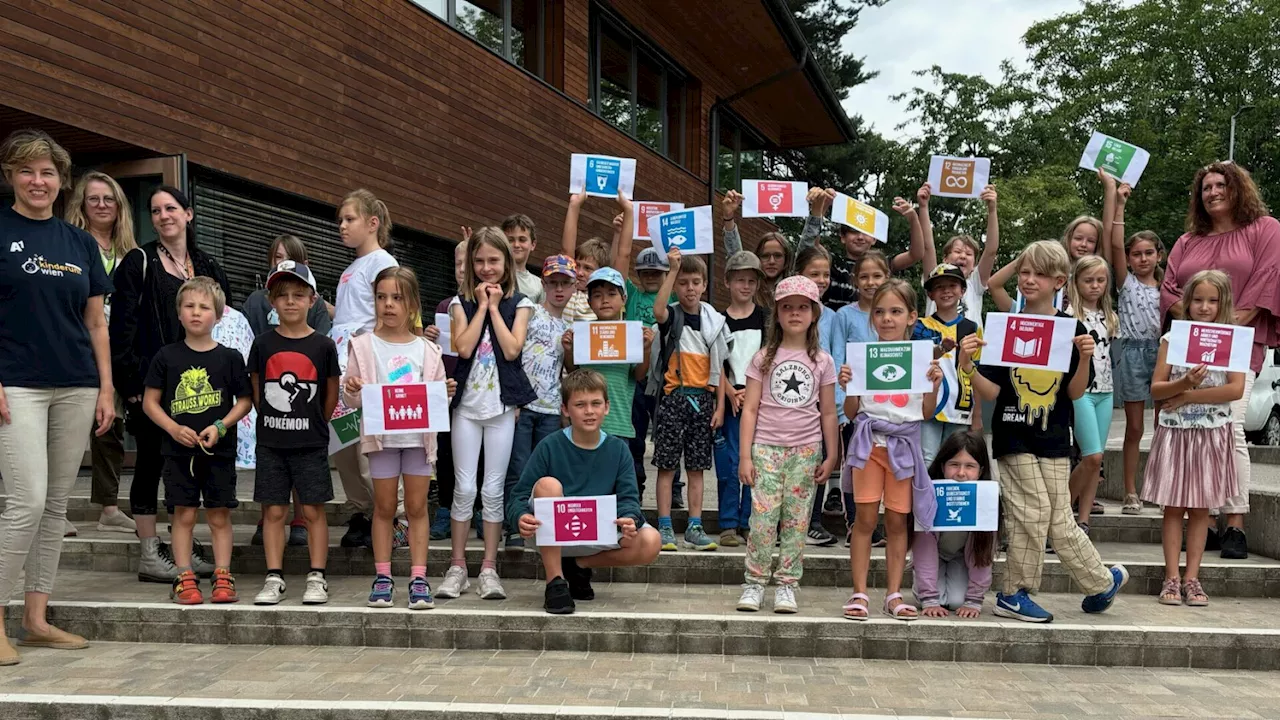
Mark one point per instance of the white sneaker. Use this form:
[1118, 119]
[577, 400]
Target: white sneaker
[490, 586]
[117, 522]
[784, 599]
[272, 591]
[317, 592]
[752, 596]
[455, 582]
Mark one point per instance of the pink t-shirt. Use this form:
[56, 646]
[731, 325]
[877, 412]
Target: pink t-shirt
[789, 415]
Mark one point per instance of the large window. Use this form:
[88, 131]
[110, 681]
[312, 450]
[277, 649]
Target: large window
[511, 28]
[741, 154]
[636, 89]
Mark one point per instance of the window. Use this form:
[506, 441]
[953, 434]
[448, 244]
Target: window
[636, 89]
[510, 28]
[741, 154]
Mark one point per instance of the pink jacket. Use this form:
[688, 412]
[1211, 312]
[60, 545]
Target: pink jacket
[361, 364]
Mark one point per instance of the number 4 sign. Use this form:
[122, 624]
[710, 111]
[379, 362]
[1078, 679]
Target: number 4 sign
[1220, 347]
[1030, 341]
[768, 198]
[405, 409]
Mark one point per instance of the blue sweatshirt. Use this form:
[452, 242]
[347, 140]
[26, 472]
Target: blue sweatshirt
[605, 470]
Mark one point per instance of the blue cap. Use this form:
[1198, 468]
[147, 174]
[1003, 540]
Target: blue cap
[611, 276]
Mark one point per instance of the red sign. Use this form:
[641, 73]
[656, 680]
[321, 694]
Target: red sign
[773, 197]
[405, 407]
[1028, 340]
[1209, 345]
[646, 210]
[575, 520]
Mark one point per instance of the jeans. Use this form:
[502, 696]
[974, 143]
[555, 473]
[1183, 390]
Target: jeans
[531, 427]
[932, 433]
[642, 409]
[144, 493]
[735, 498]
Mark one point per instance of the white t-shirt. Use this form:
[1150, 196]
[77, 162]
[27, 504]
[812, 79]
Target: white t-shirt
[970, 302]
[897, 408]
[355, 290]
[529, 285]
[399, 364]
[482, 396]
[543, 359]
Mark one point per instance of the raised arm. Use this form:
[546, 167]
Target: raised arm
[728, 212]
[819, 204]
[992, 246]
[1108, 213]
[1115, 236]
[669, 282]
[569, 239]
[996, 285]
[622, 235]
[929, 259]
[904, 260]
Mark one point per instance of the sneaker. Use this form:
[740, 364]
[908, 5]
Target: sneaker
[848, 537]
[833, 506]
[383, 592]
[1020, 606]
[677, 502]
[752, 596]
[224, 588]
[579, 579]
[491, 586]
[297, 536]
[256, 540]
[441, 527]
[399, 533]
[729, 538]
[1097, 508]
[420, 594]
[317, 592]
[272, 591]
[186, 589]
[819, 537]
[116, 522]
[514, 541]
[877, 538]
[201, 560]
[668, 535]
[1100, 602]
[1235, 546]
[557, 600]
[69, 529]
[696, 538]
[455, 582]
[1132, 505]
[1084, 527]
[784, 599]
[357, 534]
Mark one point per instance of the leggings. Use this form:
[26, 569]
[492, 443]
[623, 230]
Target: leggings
[1092, 422]
[144, 493]
[467, 435]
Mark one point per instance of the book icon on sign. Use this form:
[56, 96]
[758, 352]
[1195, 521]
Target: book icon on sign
[1026, 348]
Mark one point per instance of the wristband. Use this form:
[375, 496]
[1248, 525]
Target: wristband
[222, 429]
[966, 374]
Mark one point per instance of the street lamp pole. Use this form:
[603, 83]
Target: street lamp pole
[1231, 147]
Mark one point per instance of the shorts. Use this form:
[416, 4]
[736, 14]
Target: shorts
[391, 463]
[683, 426]
[574, 551]
[188, 479]
[280, 472]
[875, 482]
[1133, 365]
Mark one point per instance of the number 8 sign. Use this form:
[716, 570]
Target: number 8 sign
[958, 177]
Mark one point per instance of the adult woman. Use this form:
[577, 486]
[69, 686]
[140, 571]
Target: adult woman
[1228, 229]
[99, 206]
[55, 376]
[144, 318]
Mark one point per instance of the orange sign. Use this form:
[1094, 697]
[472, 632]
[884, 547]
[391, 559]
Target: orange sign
[607, 342]
[957, 176]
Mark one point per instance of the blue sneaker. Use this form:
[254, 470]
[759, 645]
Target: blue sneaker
[384, 590]
[668, 535]
[440, 527]
[420, 594]
[1020, 606]
[1100, 602]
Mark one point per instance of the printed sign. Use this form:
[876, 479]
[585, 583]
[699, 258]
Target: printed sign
[344, 430]
[1116, 158]
[860, 216]
[445, 323]
[341, 336]
[1220, 347]
[971, 506]
[590, 520]
[958, 177]
[689, 230]
[607, 342]
[404, 409]
[646, 210]
[601, 175]
[889, 367]
[1030, 341]
[771, 198]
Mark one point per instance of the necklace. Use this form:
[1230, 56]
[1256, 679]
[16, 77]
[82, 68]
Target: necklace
[185, 267]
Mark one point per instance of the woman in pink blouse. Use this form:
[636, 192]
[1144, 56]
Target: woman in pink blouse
[1228, 229]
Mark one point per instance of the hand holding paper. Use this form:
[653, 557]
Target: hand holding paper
[961, 177]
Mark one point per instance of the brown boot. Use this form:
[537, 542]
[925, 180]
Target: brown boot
[8, 656]
[55, 639]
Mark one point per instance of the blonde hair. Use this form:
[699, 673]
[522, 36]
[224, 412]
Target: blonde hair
[1046, 256]
[23, 146]
[967, 240]
[122, 237]
[902, 289]
[1154, 239]
[206, 285]
[1086, 264]
[369, 206]
[407, 282]
[596, 250]
[1093, 222]
[1218, 279]
[874, 256]
[496, 239]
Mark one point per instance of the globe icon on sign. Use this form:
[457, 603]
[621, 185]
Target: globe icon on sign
[889, 373]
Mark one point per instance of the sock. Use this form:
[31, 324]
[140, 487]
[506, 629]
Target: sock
[321, 571]
[459, 562]
[488, 565]
[695, 521]
[418, 571]
[277, 573]
[664, 522]
[382, 568]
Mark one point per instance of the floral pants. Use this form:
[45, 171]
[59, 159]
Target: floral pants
[780, 504]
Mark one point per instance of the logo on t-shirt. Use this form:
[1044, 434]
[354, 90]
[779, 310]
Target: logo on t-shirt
[291, 383]
[791, 384]
[194, 393]
[1037, 392]
[17, 246]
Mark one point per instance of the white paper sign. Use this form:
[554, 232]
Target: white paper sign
[403, 409]
[1043, 342]
[1115, 157]
[860, 216]
[971, 506]
[600, 342]
[690, 230]
[1220, 347]
[602, 175]
[445, 323]
[647, 209]
[889, 367]
[589, 520]
[344, 426]
[962, 177]
[774, 198]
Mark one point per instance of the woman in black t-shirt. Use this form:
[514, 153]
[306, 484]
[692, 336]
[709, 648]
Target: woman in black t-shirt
[55, 376]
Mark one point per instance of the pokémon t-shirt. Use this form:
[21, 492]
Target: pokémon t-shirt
[293, 380]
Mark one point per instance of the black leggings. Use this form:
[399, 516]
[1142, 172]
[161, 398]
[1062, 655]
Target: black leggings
[144, 494]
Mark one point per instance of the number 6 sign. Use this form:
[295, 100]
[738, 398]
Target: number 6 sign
[958, 177]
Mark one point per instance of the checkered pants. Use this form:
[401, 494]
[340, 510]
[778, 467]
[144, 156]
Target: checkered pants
[1037, 503]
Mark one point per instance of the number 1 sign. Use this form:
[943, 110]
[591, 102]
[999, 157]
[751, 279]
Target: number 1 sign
[405, 409]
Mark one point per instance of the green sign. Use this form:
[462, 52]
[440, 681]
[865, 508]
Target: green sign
[889, 366]
[1114, 157]
[344, 430]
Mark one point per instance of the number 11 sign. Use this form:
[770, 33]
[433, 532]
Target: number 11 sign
[405, 409]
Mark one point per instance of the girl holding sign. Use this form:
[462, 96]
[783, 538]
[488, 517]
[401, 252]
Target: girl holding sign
[1192, 466]
[1090, 293]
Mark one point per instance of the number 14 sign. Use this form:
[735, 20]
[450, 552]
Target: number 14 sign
[405, 409]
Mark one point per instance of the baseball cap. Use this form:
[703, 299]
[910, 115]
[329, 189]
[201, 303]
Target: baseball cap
[296, 270]
[559, 265]
[649, 259]
[743, 260]
[608, 275]
[945, 270]
[796, 285]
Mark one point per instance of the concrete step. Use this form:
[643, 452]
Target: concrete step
[667, 619]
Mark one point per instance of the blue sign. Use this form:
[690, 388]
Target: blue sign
[973, 506]
[679, 230]
[603, 175]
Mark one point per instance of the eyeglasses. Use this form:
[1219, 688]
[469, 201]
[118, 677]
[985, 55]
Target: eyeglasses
[105, 201]
[773, 256]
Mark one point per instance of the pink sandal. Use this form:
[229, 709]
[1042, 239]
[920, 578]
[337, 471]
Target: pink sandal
[856, 608]
[899, 611]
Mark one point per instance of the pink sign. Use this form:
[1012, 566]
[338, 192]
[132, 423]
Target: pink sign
[1028, 340]
[575, 520]
[1210, 344]
[774, 197]
[646, 210]
[404, 407]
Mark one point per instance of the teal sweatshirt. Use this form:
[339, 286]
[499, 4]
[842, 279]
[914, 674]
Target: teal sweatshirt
[606, 470]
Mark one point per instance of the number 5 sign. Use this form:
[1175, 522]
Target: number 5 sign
[958, 177]
[767, 198]
[1220, 347]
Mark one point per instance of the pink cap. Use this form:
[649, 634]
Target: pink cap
[796, 285]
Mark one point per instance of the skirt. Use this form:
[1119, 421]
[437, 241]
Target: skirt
[1191, 467]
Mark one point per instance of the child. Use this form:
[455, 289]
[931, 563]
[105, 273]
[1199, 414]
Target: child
[773, 249]
[1079, 239]
[294, 370]
[441, 525]
[684, 374]
[842, 290]
[1032, 440]
[788, 408]
[196, 391]
[582, 460]
[1192, 463]
[814, 263]
[962, 251]
[393, 354]
[945, 328]
[952, 570]
[854, 319]
[884, 453]
[489, 321]
[746, 324]
[543, 361]
[1090, 299]
[590, 256]
[522, 235]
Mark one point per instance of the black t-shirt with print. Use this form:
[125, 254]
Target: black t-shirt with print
[293, 382]
[1033, 413]
[196, 389]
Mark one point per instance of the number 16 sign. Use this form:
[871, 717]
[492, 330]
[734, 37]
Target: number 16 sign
[405, 409]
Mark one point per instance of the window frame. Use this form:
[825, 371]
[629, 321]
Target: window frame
[727, 119]
[540, 65]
